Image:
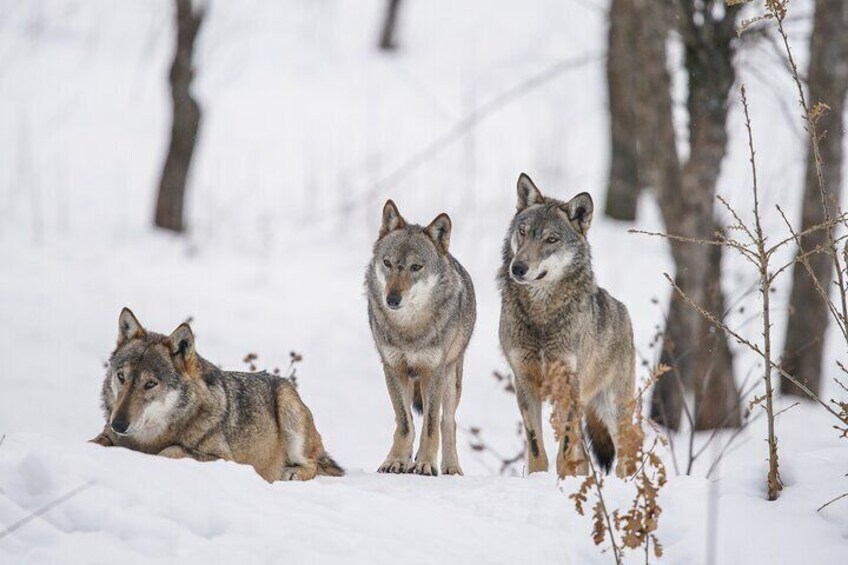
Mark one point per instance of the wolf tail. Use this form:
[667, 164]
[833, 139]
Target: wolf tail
[328, 466]
[417, 399]
[600, 440]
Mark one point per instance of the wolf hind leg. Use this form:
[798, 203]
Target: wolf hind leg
[299, 437]
[451, 393]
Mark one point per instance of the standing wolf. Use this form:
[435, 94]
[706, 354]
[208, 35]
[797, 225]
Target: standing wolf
[554, 316]
[421, 308]
[161, 397]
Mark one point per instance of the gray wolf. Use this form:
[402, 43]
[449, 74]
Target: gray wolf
[161, 397]
[553, 314]
[421, 308]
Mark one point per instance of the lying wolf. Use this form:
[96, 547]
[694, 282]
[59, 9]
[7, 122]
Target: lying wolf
[421, 308]
[161, 397]
[554, 316]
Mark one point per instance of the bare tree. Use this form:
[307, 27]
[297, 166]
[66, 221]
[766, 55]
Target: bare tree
[388, 35]
[696, 351]
[623, 187]
[185, 121]
[827, 79]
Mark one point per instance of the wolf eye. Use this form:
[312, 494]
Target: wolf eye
[387, 263]
[120, 376]
[552, 239]
[150, 384]
[416, 268]
[521, 230]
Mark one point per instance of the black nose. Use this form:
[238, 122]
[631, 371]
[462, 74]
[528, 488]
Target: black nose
[120, 426]
[393, 300]
[519, 270]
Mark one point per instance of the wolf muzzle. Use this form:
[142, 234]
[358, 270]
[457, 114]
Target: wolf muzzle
[120, 426]
[393, 300]
[518, 270]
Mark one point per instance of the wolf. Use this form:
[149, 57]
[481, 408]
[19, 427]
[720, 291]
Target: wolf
[554, 315]
[421, 309]
[161, 397]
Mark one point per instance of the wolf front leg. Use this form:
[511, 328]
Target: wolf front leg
[428, 449]
[104, 438]
[571, 457]
[400, 392]
[180, 452]
[527, 393]
[452, 390]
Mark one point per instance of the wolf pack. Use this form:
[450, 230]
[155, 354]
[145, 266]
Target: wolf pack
[161, 397]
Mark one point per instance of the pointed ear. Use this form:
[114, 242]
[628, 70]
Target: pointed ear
[579, 211]
[181, 345]
[392, 220]
[128, 327]
[439, 231]
[528, 194]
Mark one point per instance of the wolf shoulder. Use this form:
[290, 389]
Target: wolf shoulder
[610, 314]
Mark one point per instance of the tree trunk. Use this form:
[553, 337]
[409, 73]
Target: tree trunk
[388, 36]
[624, 186]
[828, 83]
[184, 123]
[698, 355]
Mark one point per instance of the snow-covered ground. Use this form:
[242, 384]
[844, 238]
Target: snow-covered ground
[304, 126]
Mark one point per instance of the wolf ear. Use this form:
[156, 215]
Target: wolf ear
[439, 231]
[128, 327]
[392, 220]
[181, 345]
[528, 194]
[579, 211]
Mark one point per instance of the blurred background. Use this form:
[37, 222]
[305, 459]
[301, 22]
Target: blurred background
[226, 162]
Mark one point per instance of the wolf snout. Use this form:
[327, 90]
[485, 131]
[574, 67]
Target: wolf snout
[120, 426]
[393, 300]
[518, 270]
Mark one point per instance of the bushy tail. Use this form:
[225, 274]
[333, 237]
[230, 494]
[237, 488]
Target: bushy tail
[327, 466]
[600, 441]
[417, 399]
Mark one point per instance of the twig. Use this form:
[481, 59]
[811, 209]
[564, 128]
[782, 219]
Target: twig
[773, 482]
[599, 491]
[44, 509]
[742, 341]
[455, 132]
[829, 502]
[790, 407]
[778, 11]
[823, 293]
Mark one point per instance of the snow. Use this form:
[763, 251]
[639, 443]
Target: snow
[303, 121]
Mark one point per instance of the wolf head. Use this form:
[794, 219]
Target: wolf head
[547, 238]
[409, 260]
[148, 382]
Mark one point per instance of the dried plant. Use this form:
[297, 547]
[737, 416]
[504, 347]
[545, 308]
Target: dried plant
[249, 361]
[629, 528]
[290, 373]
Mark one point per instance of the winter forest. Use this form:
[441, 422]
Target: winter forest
[223, 168]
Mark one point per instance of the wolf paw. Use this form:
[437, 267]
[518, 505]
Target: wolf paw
[103, 440]
[453, 469]
[292, 474]
[394, 466]
[424, 468]
[173, 452]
